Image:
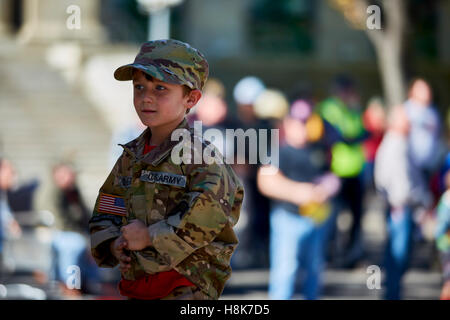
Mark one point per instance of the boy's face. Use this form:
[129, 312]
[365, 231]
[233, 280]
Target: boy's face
[158, 103]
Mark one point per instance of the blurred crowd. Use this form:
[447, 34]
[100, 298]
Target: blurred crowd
[65, 220]
[333, 153]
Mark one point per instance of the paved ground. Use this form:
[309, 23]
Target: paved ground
[338, 284]
[252, 285]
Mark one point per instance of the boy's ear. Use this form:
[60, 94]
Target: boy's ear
[193, 97]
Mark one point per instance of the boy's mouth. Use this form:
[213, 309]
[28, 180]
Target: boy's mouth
[148, 111]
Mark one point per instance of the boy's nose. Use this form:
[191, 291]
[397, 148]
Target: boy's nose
[148, 98]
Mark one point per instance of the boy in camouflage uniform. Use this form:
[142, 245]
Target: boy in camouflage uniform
[169, 226]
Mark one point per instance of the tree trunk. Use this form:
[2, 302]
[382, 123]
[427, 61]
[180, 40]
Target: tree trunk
[390, 66]
[389, 46]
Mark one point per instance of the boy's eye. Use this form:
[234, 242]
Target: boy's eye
[160, 88]
[138, 86]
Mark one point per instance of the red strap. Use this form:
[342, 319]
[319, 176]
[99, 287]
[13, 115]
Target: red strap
[154, 286]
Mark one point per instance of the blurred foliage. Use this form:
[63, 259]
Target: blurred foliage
[352, 10]
[282, 25]
[124, 21]
[422, 27]
[177, 19]
[423, 15]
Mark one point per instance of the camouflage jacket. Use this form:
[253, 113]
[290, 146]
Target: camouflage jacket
[190, 211]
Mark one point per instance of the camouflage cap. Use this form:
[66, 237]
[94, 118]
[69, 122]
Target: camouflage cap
[171, 61]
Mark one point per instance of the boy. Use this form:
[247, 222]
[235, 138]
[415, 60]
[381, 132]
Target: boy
[168, 225]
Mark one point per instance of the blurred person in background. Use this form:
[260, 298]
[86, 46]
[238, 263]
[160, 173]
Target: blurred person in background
[426, 146]
[300, 209]
[20, 195]
[404, 188]
[425, 127]
[254, 222]
[212, 111]
[374, 120]
[8, 224]
[442, 232]
[245, 93]
[69, 244]
[342, 112]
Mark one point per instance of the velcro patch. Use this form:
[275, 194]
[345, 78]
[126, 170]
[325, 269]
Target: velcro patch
[125, 182]
[163, 178]
[115, 219]
[111, 204]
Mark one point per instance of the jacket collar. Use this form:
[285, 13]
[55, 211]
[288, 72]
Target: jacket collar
[136, 147]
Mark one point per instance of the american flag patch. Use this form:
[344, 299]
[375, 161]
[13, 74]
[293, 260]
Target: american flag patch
[111, 204]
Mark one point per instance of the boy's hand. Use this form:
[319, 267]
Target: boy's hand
[117, 250]
[136, 235]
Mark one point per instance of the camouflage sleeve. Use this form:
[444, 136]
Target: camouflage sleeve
[197, 219]
[105, 226]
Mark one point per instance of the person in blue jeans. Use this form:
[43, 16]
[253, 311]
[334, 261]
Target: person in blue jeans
[67, 248]
[296, 244]
[400, 226]
[300, 190]
[405, 190]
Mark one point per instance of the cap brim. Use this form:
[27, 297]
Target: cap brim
[125, 73]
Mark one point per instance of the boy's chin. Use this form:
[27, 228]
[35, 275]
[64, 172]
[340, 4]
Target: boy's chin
[154, 123]
[149, 122]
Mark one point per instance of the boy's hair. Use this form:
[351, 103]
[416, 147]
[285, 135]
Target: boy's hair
[186, 92]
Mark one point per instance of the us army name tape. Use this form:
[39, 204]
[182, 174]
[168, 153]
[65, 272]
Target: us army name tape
[163, 178]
